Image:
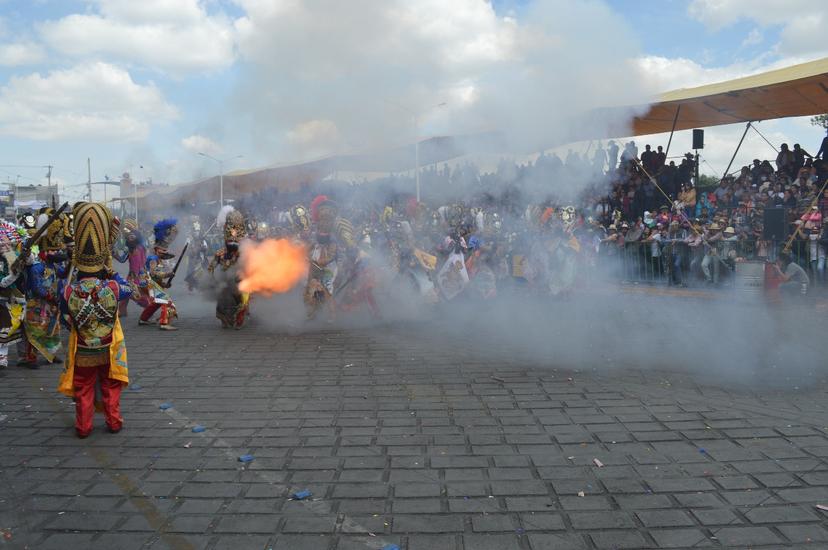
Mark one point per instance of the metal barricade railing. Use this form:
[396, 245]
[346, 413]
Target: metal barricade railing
[677, 263]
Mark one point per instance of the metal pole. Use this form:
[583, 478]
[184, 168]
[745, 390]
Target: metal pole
[417, 163]
[89, 175]
[696, 175]
[729, 164]
[221, 184]
[766, 139]
[673, 129]
[49, 180]
[135, 198]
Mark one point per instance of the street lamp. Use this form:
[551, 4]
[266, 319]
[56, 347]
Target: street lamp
[221, 173]
[417, 117]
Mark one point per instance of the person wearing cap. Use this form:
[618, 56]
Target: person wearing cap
[711, 255]
[687, 198]
[795, 280]
[673, 252]
[812, 218]
[694, 243]
[816, 251]
[96, 352]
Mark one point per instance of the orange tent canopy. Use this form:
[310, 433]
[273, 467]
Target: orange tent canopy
[798, 90]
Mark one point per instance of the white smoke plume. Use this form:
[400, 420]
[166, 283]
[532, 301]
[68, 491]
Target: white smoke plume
[323, 76]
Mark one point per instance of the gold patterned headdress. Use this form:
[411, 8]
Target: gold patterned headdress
[234, 229]
[55, 236]
[93, 225]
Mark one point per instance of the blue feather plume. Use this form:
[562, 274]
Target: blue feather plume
[163, 227]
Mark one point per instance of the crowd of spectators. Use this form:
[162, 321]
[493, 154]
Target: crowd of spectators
[652, 212]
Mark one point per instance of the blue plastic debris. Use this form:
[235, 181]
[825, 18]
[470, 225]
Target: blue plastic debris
[301, 495]
[391, 547]
[198, 429]
[165, 406]
[246, 458]
[703, 451]
[135, 387]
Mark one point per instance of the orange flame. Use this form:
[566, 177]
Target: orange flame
[272, 266]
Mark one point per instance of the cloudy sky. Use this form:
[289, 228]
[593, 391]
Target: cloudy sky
[145, 86]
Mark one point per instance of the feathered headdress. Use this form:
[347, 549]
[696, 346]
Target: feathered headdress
[232, 221]
[222, 215]
[314, 207]
[54, 237]
[165, 232]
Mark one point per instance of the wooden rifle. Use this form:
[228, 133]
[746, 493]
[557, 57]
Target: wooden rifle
[178, 263]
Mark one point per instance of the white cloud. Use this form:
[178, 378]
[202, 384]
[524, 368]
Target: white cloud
[94, 100]
[197, 143]
[666, 74]
[21, 53]
[173, 36]
[803, 22]
[753, 38]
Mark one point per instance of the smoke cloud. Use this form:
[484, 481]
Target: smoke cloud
[325, 77]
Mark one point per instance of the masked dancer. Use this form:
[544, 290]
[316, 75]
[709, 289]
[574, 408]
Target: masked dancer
[159, 266]
[232, 305]
[97, 352]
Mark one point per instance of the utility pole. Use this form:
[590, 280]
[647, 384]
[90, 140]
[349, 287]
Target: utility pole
[49, 183]
[89, 176]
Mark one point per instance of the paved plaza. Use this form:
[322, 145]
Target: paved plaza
[406, 439]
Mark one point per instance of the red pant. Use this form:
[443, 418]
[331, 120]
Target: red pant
[84, 382]
[150, 310]
[26, 352]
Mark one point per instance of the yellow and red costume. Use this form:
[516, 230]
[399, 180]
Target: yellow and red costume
[96, 353]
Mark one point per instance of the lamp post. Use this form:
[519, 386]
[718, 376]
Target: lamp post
[417, 139]
[221, 173]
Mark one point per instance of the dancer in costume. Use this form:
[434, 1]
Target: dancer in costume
[232, 305]
[44, 282]
[160, 268]
[12, 299]
[300, 224]
[324, 256]
[97, 352]
[358, 288]
[197, 258]
[133, 251]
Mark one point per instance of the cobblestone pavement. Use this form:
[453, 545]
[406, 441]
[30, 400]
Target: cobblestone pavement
[408, 440]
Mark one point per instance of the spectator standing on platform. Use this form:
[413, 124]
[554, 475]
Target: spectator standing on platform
[648, 160]
[784, 160]
[660, 159]
[612, 155]
[799, 155]
[823, 148]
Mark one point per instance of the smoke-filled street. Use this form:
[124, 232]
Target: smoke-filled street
[413, 274]
[410, 437]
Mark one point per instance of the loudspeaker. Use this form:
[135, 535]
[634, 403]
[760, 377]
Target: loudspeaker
[774, 228]
[698, 139]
